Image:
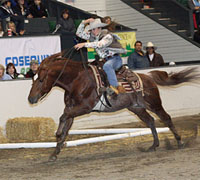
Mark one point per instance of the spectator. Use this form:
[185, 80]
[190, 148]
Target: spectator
[147, 4]
[1, 31]
[7, 14]
[33, 69]
[22, 9]
[195, 6]
[38, 10]
[67, 24]
[138, 59]
[154, 58]
[112, 26]
[3, 76]
[11, 25]
[197, 35]
[11, 71]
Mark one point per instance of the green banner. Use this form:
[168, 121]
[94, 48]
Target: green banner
[127, 41]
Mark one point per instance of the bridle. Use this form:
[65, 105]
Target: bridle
[70, 52]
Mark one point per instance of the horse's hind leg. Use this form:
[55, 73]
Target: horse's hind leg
[166, 119]
[149, 121]
[64, 127]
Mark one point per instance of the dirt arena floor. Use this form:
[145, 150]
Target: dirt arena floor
[115, 160]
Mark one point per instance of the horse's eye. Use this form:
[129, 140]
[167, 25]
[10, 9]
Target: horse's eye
[41, 80]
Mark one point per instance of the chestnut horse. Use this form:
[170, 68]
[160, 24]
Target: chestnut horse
[81, 95]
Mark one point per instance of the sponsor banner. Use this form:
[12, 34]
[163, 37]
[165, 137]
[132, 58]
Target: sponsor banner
[127, 41]
[20, 51]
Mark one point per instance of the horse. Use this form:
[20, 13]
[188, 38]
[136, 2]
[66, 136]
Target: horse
[81, 95]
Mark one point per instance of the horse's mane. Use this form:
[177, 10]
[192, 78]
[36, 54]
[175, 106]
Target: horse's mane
[59, 57]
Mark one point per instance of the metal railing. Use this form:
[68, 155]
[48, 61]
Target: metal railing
[178, 14]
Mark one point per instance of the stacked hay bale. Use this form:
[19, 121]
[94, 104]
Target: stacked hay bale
[2, 138]
[28, 129]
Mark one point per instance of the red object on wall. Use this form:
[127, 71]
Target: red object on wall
[195, 21]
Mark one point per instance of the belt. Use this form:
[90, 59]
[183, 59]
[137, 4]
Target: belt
[108, 57]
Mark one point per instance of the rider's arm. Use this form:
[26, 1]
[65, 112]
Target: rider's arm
[82, 32]
[105, 42]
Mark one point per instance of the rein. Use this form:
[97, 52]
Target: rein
[70, 52]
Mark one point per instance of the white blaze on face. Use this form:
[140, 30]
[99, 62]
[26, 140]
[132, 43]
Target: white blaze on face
[35, 77]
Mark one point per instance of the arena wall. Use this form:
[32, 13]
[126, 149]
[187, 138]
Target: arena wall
[179, 101]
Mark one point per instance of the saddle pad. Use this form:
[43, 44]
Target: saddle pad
[135, 86]
[97, 76]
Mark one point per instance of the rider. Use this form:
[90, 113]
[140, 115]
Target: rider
[106, 46]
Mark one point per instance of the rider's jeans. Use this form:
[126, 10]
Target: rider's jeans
[113, 63]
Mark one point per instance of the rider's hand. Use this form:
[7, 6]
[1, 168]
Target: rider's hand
[87, 21]
[79, 46]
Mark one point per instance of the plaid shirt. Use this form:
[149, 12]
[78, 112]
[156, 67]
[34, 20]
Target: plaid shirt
[101, 45]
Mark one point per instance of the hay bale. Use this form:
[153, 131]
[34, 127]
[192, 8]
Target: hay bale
[3, 139]
[30, 129]
[198, 130]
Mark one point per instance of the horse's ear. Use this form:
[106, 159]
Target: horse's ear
[45, 66]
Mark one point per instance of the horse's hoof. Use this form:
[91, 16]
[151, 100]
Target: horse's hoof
[52, 158]
[181, 145]
[151, 149]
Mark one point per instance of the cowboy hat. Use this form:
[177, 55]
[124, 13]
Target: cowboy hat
[34, 62]
[4, 1]
[96, 24]
[150, 44]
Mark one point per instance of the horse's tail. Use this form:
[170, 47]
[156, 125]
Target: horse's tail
[162, 78]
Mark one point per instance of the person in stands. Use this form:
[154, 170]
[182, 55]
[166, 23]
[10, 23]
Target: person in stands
[154, 58]
[67, 24]
[7, 14]
[11, 71]
[195, 6]
[12, 27]
[38, 10]
[138, 59]
[22, 9]
[112, 26]
[3, 75]
[33, 69]
[1, 31]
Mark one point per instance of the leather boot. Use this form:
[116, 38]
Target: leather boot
[114, 89]
[118, 89]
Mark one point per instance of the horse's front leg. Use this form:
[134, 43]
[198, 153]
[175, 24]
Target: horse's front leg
[63, 129]
[66, 121]
[62, 123]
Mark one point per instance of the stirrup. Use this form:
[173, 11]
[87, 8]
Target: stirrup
[111, 90]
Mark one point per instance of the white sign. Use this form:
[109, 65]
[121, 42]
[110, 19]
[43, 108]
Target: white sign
[20, 51]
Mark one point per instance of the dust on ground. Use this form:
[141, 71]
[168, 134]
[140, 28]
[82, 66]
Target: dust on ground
[113, 160]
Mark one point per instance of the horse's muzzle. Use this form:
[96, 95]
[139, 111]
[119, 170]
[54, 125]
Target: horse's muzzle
[33, 100]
